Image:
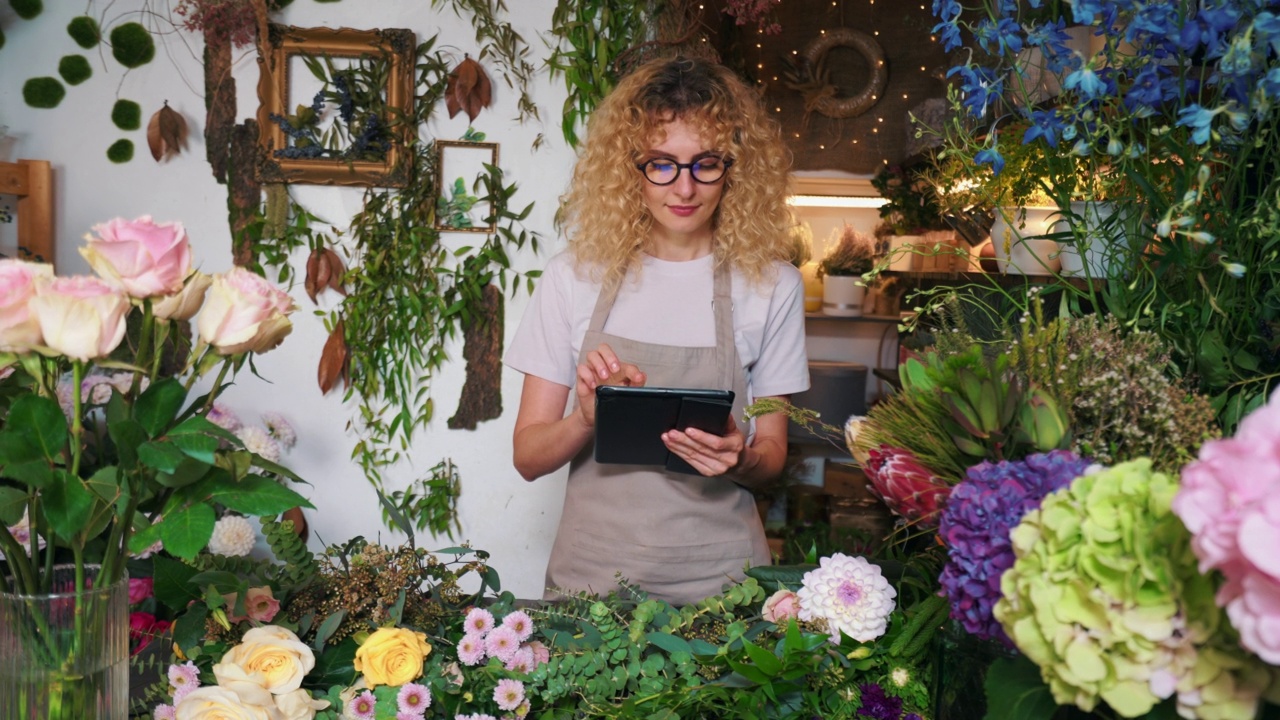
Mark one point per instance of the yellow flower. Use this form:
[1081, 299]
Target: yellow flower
[392, 656]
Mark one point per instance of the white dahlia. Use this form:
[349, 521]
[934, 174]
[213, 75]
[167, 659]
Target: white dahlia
[233, 535]
[850, 594]
[259, 442]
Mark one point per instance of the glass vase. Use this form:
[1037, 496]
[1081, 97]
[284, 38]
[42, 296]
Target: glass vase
[64, 654]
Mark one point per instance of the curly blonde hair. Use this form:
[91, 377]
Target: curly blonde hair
[604, 211]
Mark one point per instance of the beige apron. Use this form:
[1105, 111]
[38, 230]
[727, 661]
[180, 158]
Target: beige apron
[678, 537]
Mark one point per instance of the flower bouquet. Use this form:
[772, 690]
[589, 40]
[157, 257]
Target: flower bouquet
[104, 454]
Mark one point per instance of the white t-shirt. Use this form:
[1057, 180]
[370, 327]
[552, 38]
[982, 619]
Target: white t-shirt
[670, 304]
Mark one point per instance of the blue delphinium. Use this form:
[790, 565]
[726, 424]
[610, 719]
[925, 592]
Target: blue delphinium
[975, 528]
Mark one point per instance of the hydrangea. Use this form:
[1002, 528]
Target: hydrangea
[850, 595]
[1105, 597]
[975, 528]
[1230, 501]
[233, 535]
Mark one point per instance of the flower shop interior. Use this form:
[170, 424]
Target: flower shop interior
[1036, 474]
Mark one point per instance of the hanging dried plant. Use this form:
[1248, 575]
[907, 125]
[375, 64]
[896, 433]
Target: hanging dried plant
[166, 133]
[335, 360]
[468, 89]
[325, 270]
[232, 20]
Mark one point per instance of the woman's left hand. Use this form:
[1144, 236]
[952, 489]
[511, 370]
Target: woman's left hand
[710, 455]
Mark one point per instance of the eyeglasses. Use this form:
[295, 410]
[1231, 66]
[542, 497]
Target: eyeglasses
[706, 170]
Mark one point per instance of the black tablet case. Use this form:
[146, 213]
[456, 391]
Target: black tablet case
[630, 422]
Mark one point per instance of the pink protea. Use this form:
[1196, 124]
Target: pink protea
[907, 487]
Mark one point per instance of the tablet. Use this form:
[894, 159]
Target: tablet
[630, 422]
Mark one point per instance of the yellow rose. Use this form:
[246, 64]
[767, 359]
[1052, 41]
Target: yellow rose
[271, 657]
[215, 703]
[298, 705]
[392, 656]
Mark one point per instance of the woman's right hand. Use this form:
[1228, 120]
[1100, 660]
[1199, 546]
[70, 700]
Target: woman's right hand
[602, 367]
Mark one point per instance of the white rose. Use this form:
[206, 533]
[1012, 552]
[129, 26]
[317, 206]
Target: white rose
[216, 703]
[298, 705]
[183, 304]
[270, 654]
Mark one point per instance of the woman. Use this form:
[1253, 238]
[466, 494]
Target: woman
[675, 276]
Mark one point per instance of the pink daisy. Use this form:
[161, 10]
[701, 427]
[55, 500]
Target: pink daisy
[413, 699]
[362, 706]
[502, 643]
[520, 622]
[471, 649]
[183, 679]
[163, 712]
[402, 715]
[509, 694]
[522, 661]
[479, 621]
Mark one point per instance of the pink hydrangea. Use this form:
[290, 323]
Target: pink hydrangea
[1230, 501]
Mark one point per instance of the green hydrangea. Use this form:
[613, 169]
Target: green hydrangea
[1106, 598]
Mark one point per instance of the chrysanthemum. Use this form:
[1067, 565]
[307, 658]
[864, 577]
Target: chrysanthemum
[280, 429]
[224, 417]
[509, 694]
[520, 622]
[163, 712]
[522, 661]
[362, 706]
[233, 536]
[414, 699]
[471, 649]
[850, 594]
[502, 643]
[402, 715]
[22, 534]
[479, 621]
[183, 679]
[258, 441]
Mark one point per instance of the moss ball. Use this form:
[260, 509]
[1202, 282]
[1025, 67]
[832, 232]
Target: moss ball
[43, 92]
[127, 115]
[27, 9]
[131, 45]
[85, 31]
[121, 151]
[74, 69]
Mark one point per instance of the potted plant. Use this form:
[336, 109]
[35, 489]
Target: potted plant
[849, 255]
[911, 217]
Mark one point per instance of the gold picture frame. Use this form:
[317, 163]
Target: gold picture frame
[461, 177]
[285, 43]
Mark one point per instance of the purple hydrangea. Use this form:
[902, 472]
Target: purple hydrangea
[975, 528]
[877, 704]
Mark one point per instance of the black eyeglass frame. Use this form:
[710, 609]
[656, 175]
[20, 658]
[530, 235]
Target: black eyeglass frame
[680, 167]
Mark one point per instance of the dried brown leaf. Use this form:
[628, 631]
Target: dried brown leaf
[166, 133]
[337, 271]
[311, 283]
[468, 89]
[334, 360]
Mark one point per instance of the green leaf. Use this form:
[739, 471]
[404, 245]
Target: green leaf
[13, 502]
[327, 629]
[144, 536]
[776, 577]
[68, 505]
[335, 666]
[189, 628]
[763, 659]
[158, 405]
[198, 447]
[1015, 691]
[222, 580]
[36, 473]
[256, 495]
[105, 483]
[128, 435]
[185, 532]
[173, 585]
[670, 643]
[37, 427]
[161, 455]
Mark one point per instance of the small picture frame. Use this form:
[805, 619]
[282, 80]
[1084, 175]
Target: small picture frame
[372, 124]
[462, 176]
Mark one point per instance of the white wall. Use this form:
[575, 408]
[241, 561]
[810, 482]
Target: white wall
[499, 512]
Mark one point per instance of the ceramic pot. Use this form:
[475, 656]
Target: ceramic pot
[1018, 249]
[64, 654]
[842, 295]
[901, 257]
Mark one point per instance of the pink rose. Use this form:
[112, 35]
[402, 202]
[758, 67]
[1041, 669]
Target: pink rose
[183, 304]
[261, 604]
[244, 313]
[146, 259]
[81, 317]
[19, 331]
[781, 607]
[140, 589]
